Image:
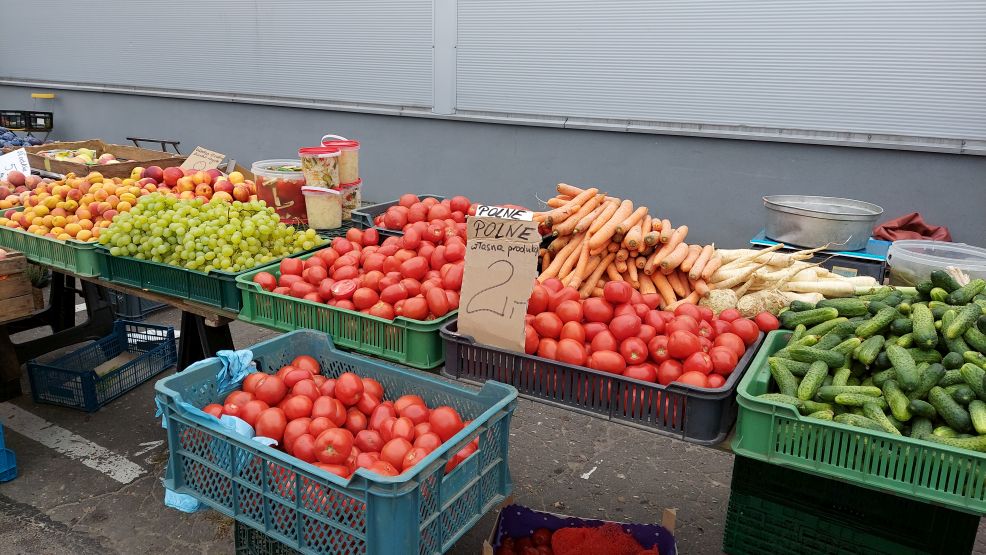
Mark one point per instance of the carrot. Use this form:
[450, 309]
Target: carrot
[568, 226]
[698, 268]
[561, 260]
[597, 292]
[586, 221]
[676, 257]
[590, 283]
[632, 220]
[606, 232]
[621, 266]
[710, 268]
[693, 252]
[622, 254]
[640, 262]
[569, 190]
[560, 214]
[613, 247]
[604, 216]
[634, 237]
[634, 279]
[545, 259]
[692, 298]
[665, 230]
[580, 270]
[646, 285]
[558, 243]
[557, 202]
[679, 288]
[700, 287]
[613, 273]
[663, 287]
[652, 233]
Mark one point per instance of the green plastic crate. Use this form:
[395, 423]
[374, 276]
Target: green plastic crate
[412, 342]
[77, 257]
[912, 468]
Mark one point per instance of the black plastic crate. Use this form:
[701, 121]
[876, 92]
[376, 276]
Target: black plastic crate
[71, 380]
[132, 307]
[702, 416]
[15, 120]
[247, 541]
[365, 215]
[773, 509]
[40, 121]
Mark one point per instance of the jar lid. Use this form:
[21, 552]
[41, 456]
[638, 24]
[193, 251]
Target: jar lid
[311, 189]
[344, 145]
[318, 150]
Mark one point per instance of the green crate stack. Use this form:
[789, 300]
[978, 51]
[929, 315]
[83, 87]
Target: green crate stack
[773, 509]
[75, 256]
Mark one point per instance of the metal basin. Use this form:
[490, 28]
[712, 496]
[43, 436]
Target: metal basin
[809, 221]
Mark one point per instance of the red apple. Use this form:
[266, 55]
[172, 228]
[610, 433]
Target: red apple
[223, 196]
[203, 190]
[241, 193]
[172, 175]
[153, 172]
[203, 177]
[214, 173]
[16, 178]
[223, 185]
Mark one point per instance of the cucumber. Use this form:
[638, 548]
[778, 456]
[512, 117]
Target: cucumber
[972, 357]
[904, 308]
[815, 406]
[882, 361]
[924, 288]
[876, 306]
[853, 380]
[811, 354]
[963, 321]
[881, 293]
[944, 280]
[801, 306]
[939, 308]
[841, 376]
[893, 299]
[847, 328]
[826, 326]
[904, 365]
[965, 294]
[923, 327]
[868, 350]
[879, 321]
[781, 398]
[975, 339]
[930, 377]
[907, 340]
[925, 355]
[799, 369]
[799, 332]
[848, 306]
[847, 347]
[858, 370]
[867, 381]
[857, 421]
[812, 380]
[828, 341]
[917, 407]
[875, 413]
[808, 317]
[973, 375]
[977, 412]
[939, 294]
[857, 400]
[963, 394]
[944, 431]
[827, 381]
[900, 326]
[977, 443]
[921, 427]
[952, 361]
[882, 376]
[787, 384]
[951, 377]
[981, 324]
[950, 411]
[806, 341]
[822, 415]
[829, 392]
[897, 401]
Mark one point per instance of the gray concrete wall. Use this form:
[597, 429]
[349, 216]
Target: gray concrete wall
[713, 185]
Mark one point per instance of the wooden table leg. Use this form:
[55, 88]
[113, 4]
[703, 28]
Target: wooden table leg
[10, 367]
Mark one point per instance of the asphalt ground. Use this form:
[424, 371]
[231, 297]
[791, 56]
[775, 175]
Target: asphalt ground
[91, 483]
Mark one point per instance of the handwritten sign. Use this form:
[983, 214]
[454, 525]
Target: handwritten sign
[502, 247]
[14, 161]
[203, 159]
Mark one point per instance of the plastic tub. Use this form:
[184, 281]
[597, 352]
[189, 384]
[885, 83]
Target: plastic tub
[279, 184]
[912, 262]
[351, 197]
[321, 166]
[324, 207]
[348, 160]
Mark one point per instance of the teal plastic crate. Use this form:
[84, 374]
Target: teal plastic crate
[8, 462]
[77, 257]
[305, 508]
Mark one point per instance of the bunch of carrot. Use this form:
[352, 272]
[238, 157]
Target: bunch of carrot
[600, 238]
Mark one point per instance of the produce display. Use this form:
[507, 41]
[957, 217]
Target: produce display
[908, 361]
[600, 238]
[411, 276]
[86, 156]
[203, 236]
[623, 333]
[10, 139]
[196, 184]
[344, 424]
[610, 538]
[15, 184]
[411, 211]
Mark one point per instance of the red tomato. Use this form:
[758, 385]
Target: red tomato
[215, 409]
[294, 376]
[295, 429]
[455, 251]
[705, 329]
[394, 451]
[570, 311]
[415, 413]
[406, 400]
[265, 280]
[403, 428]
[428, 441]
[706, 343]
[250, 382]
[715, 381]
[382, 310]
[531, 340]
[371, 237]
[698, 362]
[617, 292]
[626, 308]
[733, 341]
[595, 309]
[330, 408]
[721, 327]
[297, 406]
[304, 448]
[681, 344]
[373, 387]
[306, 362]
[367, 403]
[553, 285]
[625, 326]
[319, 425]
[538, 301]
[271, 423]
[547, 348]
[344, 289]
[592, 329]
[548, 324]
[573, 330]
[571, 351]
[607, 361]
[301, 289]
[422, 429]
[682, 323]
[364, 297]
[658, 349]
[564, 294]
[452, 280]
[641, 310]
[634, 350]
[349, 388]
[342, 245]
[381, 413]
[355, 420]
[315, 274]
[386, 427]
[366, 460]
[652, 300]
[724, 360]
[766, 322]
[669, 371]
[647, 332]
[284, 371]
[697, 379]
[705, 313]
[730, 314]
[746, 329]
[445, 421]
[415, 268]
[413, 457]
[239, 398]
[437, 302]
[653, 318]
[292, 266]
[459, 457]
[393, 293]
[270, 389]
[383, 468]
[333, 446]
[368, 440]
[541, 536]
[688, 310]
[251, 410]
[642, 372]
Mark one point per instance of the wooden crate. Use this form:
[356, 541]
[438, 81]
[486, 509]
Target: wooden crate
[16, 293]
[136, 157]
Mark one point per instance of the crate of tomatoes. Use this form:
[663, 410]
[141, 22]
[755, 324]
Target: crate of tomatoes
[366, 457]
[620, 358]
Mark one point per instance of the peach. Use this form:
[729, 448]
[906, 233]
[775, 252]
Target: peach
[113, 200]
[74, 194]
[188, 195]
[172, 175]
[154, 172]
[241, 193]
[223, 196]
[94, 177]
[83, 235]
[124, 206]
[101, 195]
[85, 224]
[16, 178]
[109, 214]
[223, 185]
[203, 190]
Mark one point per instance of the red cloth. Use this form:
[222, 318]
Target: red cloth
[911, 226]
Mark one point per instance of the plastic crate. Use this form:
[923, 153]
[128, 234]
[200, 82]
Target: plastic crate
[132, 307]
[411, 342]
[912, 468]
[832, 516]
[247, 541]
[75, 256]
[15, 120]
[702, 416]
[71, 380]
[40, 121]
[365, 215]
[8, 462]
[303, 507]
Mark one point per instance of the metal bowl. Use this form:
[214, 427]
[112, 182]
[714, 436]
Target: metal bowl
[810, 221]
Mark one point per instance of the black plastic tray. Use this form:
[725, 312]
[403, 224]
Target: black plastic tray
[364, 216]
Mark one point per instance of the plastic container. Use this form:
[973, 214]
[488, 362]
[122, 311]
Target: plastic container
[324, 207]
[279, 184]
[247, 541]
[8, 461]
[348, 160]
[132, 307]
[364, 216]
[40, 121]
[702, 416]
[320, 165]
[911, 468]
[215, 288]
[352, 197]
[422, 511]
[912, 262]
[72, 381]
[78, 257]
[411, 342]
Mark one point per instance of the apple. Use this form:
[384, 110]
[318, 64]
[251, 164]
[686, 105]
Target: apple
[216, 174]
[203, 177]
[155, 173]
[241, 193]
[172, 175]
[223, 196]
[187, 195]
[185, 184]
[223, 185]
[137, 173]
[203, 190]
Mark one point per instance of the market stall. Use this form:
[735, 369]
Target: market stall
[335, 438]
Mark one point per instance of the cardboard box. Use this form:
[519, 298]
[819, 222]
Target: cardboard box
[136, 156]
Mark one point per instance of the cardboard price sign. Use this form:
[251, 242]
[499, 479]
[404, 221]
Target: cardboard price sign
[203, 159]
[14, 161]
[502, 247]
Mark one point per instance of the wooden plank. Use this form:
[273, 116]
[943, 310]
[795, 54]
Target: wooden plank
[12, 262]
[17, 307]
[14, 285]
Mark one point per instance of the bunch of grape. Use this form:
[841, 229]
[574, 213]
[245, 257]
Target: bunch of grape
[204, 236]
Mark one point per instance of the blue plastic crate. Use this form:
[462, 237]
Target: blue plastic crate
[71, 380]
[8, 462]
[422, 511]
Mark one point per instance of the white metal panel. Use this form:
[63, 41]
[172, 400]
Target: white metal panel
[361, 51]
[896, 67]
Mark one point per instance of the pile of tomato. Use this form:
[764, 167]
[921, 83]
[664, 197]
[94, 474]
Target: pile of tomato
[428, 215]
[417, 276]
[624, 333]
[345, 423]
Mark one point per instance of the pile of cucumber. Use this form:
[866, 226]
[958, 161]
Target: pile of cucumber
[908, 361]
